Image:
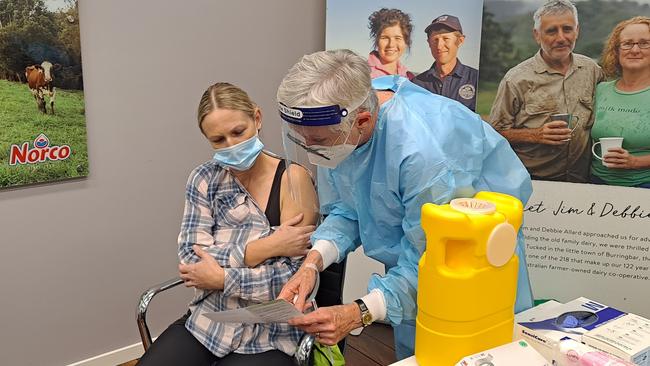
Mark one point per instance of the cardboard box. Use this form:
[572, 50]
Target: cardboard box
[512, 354]
[544, 326]
[627, 337]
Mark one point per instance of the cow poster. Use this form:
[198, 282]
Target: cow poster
[42, 113]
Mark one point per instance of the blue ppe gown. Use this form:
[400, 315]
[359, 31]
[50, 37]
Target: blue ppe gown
[424, 148]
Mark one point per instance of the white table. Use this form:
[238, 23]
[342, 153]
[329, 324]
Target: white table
[406, 362]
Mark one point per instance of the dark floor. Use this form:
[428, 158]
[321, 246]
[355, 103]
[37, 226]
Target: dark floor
[374, 347]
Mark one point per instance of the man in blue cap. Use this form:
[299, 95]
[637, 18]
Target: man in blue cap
[448, 76]
[383, 149]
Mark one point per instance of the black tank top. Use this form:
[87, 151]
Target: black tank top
[273, 205]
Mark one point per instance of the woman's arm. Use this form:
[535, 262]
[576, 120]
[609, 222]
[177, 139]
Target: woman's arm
[306, 201]
[196, 227]
[298, 217]
[619, 158]
[264, 282]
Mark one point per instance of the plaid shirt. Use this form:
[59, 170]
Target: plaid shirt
[222, 217]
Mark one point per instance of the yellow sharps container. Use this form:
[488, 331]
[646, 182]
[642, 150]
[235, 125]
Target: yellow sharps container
[467, 280]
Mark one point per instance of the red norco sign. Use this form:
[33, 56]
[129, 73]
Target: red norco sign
[41, 152]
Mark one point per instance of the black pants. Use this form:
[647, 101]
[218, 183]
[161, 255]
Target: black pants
[176, 346]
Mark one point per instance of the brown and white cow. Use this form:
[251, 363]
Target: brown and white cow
[39, 79]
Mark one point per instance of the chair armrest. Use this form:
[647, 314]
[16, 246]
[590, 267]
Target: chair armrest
[303, 351]
[143, 305]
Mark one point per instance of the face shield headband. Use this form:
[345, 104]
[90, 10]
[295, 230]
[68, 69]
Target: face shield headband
[320, 132]
[312, 116]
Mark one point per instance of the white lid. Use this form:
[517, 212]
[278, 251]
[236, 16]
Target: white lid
[473, 206]
[501, 244]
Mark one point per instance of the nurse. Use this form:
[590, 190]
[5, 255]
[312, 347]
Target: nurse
[383, 150]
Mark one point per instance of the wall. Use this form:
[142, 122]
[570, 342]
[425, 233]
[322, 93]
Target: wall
[77, 254]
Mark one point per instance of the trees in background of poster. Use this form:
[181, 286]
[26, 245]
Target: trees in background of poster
[582, 239]
[42, 113]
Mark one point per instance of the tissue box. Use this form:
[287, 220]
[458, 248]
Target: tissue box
[544, 326]
[512, 354]
[627, 337]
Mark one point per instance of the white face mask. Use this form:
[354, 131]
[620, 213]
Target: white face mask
[330, 156]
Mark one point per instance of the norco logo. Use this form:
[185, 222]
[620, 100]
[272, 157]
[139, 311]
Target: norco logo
[295, 113]
[41, 152]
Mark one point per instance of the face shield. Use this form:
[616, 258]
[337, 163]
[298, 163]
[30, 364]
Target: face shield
[315, 136]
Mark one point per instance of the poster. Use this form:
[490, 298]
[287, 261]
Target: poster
[582, 239]
[586, 240]
[42, 113]
[411, 36]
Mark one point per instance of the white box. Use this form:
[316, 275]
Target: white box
[627, 337]
[544, 326]
[517, 353]
[574, 353]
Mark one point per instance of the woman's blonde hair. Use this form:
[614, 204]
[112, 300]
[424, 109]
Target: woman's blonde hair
[225, 96]
[609, 59]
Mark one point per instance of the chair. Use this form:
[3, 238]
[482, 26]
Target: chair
[330, 292]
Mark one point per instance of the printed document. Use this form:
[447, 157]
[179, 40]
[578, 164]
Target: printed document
[276, 311]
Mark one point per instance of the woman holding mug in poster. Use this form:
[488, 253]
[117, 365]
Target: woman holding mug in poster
[622, 108]
[391, 31]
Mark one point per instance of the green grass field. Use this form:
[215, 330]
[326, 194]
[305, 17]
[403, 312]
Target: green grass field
[486, 93]
[21, 121]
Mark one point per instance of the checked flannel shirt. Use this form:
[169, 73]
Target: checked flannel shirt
[222, 217]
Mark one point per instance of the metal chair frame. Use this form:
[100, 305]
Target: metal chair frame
[303, 351]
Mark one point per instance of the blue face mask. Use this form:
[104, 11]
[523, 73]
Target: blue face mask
[241, 156]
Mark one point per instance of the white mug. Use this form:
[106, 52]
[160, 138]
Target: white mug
[606, 143]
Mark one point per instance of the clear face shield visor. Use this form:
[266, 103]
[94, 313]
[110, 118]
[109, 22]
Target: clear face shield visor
[315, 136]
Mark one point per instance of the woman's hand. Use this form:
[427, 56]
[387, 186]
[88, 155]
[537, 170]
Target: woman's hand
[619, 158]
[291, 240]
[206, 274]
[330, 324]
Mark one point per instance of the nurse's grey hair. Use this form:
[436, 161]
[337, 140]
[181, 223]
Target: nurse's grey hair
[336, 77]
[554, 7]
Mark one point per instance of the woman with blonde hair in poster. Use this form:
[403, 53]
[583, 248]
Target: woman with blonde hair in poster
[622, 108]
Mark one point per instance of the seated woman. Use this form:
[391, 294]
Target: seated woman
[622, 108]
[242, 237]
[391, 32]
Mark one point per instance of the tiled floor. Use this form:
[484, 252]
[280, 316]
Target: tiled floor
[374, 347]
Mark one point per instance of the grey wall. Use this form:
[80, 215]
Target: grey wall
[76, 255]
